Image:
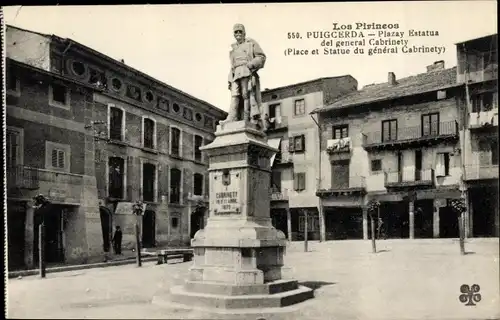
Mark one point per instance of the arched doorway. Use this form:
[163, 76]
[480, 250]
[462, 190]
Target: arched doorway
[148, 229]
[197, 219]
[106, 227]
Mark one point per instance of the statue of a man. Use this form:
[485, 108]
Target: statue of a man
[246, 58]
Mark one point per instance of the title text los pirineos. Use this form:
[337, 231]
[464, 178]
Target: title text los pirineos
[363, 38]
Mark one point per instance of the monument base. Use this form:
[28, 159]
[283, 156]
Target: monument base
[238, 266]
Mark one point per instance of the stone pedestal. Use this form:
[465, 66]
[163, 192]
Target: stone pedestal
[238, 256]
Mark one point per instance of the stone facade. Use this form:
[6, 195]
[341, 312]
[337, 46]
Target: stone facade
[158, 135]
[290, 125]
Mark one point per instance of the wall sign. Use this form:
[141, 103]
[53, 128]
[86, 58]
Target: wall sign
[227, 195]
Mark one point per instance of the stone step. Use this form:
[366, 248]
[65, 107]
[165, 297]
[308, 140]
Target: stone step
[283, 299]
[218, 288]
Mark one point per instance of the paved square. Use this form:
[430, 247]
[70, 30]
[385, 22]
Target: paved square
[407, 279]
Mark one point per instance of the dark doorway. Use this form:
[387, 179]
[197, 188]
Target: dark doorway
[423, 218]
[148, 229]
[278, 218]
[485, 208]
[52, 216]
[197, 220]
[106, 227]
[400, 166]
[396, 219]
[16, 219]
[344, 223]
[148, 182]
[448, 223]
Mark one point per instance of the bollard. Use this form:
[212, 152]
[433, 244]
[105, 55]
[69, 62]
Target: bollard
[305, 231]
[374, 247]
[137, 246]
[41, 249]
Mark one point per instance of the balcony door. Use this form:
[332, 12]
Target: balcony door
[430, 124]
[340, 174]
[418, 165]
[400, 166]
[276, 181]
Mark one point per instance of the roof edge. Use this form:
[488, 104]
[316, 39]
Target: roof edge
[306, 82]
[326, 108]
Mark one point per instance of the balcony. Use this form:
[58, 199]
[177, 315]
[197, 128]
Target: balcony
[411, 137]
[481, 172]
[283, 159]
[21, 177]
[354, 185]
[279, 195]
[277, 124]
[409, 179]
[63, 187]
[338, 145]
[483, 120]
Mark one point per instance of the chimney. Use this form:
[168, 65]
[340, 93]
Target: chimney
[436, 66]
[122, 61]
[391, 79]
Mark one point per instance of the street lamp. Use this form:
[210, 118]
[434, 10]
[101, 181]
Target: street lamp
[41, 201]
[138, 209]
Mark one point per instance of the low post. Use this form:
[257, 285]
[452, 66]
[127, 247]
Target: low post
[374, 246]
[138, 208]
[458, 205]
[137, 245]
[306, 229]
[41, 249]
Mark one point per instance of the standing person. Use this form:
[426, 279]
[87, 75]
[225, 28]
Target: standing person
[117, 240]
[380, 224]
[247, 57]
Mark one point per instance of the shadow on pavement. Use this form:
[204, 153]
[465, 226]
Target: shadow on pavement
[469, 252]
[314, 285]
[382, 251]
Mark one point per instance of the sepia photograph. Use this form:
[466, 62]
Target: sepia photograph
[264, 161]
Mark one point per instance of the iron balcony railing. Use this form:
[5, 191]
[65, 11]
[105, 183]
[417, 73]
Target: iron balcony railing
[409, 177]
[338, 145]
[22, 177]
[481, 172]
[407, 134]
[279, 195]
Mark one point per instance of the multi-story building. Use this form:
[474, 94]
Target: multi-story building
[140, 139]
[478, 69]
[295, 167]
[396, 142]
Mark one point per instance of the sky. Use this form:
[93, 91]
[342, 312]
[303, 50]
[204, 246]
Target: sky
[187, 46]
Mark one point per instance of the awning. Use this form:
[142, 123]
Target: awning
[275, 143]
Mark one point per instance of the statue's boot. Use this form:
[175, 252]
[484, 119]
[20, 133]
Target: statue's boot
[233, 110]
[246, 110]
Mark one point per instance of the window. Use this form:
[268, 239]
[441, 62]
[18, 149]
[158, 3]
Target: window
[340, 132]
[488, 152]
[176, 107]
[175, 140]
[175, 185]
[148, 182]
[57, 156]
[116, 177]
[376, 165]
[175, 222]
[430, 124]
[198, 142]
[442, 165]
[299, 181]
[296, 144]
[149, 133]
[273, 108]
[14, 145]
[299, 107]
[483, 102]
[276, 181]
[58, 95]
[116, 123]
[198, 184]
[389, 130]
[494, 152]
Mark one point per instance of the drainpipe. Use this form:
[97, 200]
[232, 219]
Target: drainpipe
[322, 230]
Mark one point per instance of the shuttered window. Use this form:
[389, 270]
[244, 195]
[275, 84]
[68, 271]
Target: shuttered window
[299, 181]
[58, 158]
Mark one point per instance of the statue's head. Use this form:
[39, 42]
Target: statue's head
[239, 32]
